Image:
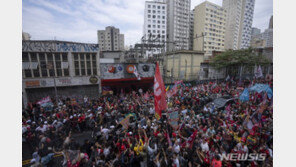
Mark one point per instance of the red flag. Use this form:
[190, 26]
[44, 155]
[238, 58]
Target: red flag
[159, 93]
[190, 140]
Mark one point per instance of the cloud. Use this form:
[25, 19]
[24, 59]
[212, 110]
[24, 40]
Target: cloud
[79, 20]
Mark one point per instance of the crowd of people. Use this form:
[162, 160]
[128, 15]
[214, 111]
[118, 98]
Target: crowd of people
[204, 133]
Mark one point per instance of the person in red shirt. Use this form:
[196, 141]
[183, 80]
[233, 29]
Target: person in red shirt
[216, 162]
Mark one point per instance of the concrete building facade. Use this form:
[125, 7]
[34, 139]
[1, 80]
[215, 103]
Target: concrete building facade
[209, 20]
[239, 23]
[73, 67]
[267, 35]
[110, 39]
[255, 32]
[191, 30]
[26, 36]
[155, 25]
[182, 65]
[178, 22]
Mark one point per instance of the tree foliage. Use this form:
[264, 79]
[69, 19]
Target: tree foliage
[235, 58]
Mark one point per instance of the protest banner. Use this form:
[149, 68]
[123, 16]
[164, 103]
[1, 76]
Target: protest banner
[45, 102]
[125, 121]
[262, 88]
[173, 118]
[245, 95]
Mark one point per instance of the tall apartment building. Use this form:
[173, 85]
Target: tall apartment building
[270, 23]
[178, 19]
[155, 26]
[267, 35]
[110, 39]
[239, 23]
[209, 20]
[255, 32]
[191, 29]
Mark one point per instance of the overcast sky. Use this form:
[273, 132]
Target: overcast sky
[78, 21]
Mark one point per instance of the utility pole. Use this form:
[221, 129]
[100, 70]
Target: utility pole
[203, 39]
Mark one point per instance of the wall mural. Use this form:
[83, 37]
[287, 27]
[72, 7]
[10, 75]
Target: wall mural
[146, 70]
[118, 71]
[112, 71]
[52, 46]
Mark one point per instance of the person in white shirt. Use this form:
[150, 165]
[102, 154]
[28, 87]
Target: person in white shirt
[176, 160]
[204, 146]
[42, 128]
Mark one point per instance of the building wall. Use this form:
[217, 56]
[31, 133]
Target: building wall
[178, 24]
[70, 63]
[191, 30]
[110, 39]
[155, 23]
[120, 71]
[209, 19]
[267, 35]
[239, 23]
[258, 42]
[255, 31]
[183, 65]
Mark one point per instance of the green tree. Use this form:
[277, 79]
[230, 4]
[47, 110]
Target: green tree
[235, 60]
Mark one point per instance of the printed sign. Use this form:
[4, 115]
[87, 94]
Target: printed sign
[93, 79]
[173, 118]
[34, 83]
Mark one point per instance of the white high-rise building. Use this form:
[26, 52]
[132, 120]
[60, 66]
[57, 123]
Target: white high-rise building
[110, 39]
[155, 24]
[239, 23]
[178, 23]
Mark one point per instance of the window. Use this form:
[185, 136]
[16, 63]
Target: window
[33, 57]
[149, 16]
[149, 11]
[28, 73]
[50, 65]
[82, 64]
[25, 57]
[64, 57]
[149, 6]
[94, 64]
[43, 64]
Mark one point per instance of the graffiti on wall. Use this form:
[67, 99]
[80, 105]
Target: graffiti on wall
[76, 47]
[53, 46]
[38, 46]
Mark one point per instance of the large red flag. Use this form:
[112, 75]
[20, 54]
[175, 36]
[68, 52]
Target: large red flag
[159, 93]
